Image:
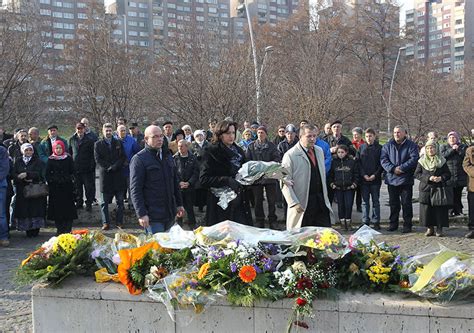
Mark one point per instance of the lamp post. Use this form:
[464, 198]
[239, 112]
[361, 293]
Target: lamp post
[389, 106]
[258, 73]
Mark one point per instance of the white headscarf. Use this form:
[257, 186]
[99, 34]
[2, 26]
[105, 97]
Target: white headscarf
[23, 147]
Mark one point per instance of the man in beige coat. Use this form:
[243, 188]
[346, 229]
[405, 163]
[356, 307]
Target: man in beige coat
[305, 188]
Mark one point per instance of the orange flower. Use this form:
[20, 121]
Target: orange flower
[247, 274]
[203, 270]
[31, 256]
[80, 232]
[128, 257]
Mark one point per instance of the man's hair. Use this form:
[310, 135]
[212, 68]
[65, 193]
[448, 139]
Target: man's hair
[107, 125]
[221, 128]
[343, 147]
[304, 121]
[212, 120]
[400, 127]
[307, 127]
[168, 122]
[370, 131]
[33, 129]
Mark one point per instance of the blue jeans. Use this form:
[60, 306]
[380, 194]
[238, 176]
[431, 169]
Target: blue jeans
[345, 199]
[159, 227]
[368, 191]
[3, 214]
[106, 199]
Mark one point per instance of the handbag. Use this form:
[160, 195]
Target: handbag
[441, 196]
[35, 190]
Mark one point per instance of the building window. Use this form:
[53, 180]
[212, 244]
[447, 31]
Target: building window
[57, 4]
[57, 14]
[81, 5]
[132, 4]
[81, 16]
[68, 15]
[142, 5]
[68, 5]
[132, 33]
[132, 14]
[46, 2]
[45, 12]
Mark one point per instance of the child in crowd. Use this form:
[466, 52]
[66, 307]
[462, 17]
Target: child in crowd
[343, 179]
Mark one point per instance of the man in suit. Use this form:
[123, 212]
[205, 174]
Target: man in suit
[110, 157]
[308, 203]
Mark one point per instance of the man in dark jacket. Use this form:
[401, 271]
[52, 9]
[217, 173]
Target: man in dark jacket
[110, 157]
[338, 139]
[4, 136]
[154, 184]
[187, 169]
[371, 177]
[399, 158]
[81, 148]
[14, 150]
[266, 151]
[4, 170]
[290, 141]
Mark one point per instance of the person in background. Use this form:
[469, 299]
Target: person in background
[212, 125]
[188, 133]
[432, 172]
[220, 164]
[59, 174]
[253, 127]
[343, 179]
[4, 136]
[468, 166]
[168, 132]
[81, 148]
[326, 150]
[280, 135]
[305, 189]
[130, 147]
[29, 213]
[433, 136]
[45, 147]
[399, 158]
[198, 148]
[88, 131]
[454, 152]
[34, 138]
[187, 169]
[368, 156]
[4, 170]
[303, 123]
[121, 121]
[14, 149]
[154, 184]
[110, 157]
[264, 150]
[246, 139]
[173, 145]
[357, 141]
[135, 133]
[326, 132]
[290, 140]
[337, 138]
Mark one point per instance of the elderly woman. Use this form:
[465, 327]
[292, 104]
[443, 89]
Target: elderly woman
[220, 164]
[59, 174]
[433, 173]
[246, 139]
[173, 145]
[29, 213]
[198, 148]
[454, 153]
[188, 133]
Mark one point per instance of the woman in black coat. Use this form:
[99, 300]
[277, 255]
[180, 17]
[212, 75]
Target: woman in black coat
[198, 148]
[432, 172]
[454, 153]
[29, 213]
[59, 174]
[220, 164]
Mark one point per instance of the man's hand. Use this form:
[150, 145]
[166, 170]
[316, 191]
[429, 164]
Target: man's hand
[333, 150]
[144, 221]
[371, 178]
[288, 182]
[455, 147]
[367, 178]
[398, 171]
[299, 208]
[22, 175]
[180, 212]
[183, 185]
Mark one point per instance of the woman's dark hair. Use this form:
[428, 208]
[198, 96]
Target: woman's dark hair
[343, 147]
[221, 128]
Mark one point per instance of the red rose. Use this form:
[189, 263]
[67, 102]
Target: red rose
[324, 285]
[301, 302]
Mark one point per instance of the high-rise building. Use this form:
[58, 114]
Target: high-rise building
[441, 32]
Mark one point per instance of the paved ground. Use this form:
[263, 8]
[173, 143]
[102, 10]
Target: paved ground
[15, 304]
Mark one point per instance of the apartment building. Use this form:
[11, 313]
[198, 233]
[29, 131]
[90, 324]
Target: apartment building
[442, 33]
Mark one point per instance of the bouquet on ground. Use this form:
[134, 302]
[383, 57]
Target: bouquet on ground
[440, 275]
[248, 174]
[58, 258]
[327, 241]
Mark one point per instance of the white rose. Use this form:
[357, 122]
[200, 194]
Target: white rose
[299, 267]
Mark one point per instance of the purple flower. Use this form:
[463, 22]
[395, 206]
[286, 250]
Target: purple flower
[267, 264]
[257, 269]
[233, 267]
[398, 260]
[197, 261]
[95, 254]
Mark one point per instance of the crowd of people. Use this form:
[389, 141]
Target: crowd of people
[163, 174]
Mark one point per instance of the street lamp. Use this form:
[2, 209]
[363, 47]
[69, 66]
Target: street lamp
[389, 111]
[268, 49]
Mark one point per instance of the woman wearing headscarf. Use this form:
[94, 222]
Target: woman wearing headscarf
[29, 213]
[432, 172]
[199, 146]
[220, 164]
[454, 152]
[59, 174]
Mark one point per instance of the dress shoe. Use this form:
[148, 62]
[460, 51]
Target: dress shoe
[470, 234]
[4, 242]
[429, 232]
[376, 226]
[105, 227]
[392, 228]
[406, 230]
